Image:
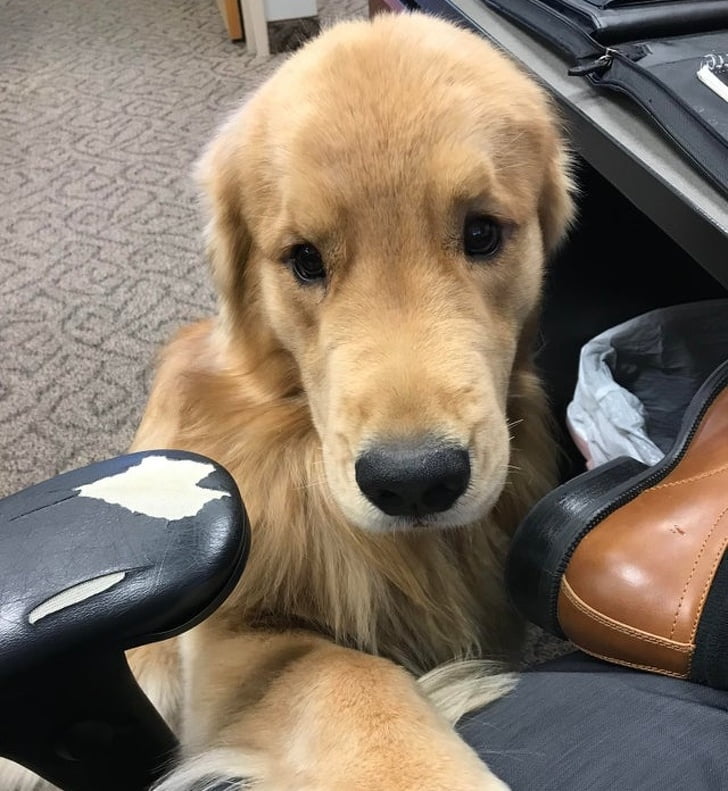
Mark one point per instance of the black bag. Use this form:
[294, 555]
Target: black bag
[615, 21]
[671, 57]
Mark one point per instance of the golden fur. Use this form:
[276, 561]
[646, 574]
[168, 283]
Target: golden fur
[373, 142]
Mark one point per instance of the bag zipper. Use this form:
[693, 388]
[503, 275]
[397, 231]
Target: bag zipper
[631, 52]
[593, 65]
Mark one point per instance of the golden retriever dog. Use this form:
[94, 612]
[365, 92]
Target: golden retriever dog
[379, 216]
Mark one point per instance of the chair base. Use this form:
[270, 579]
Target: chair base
[86, 725]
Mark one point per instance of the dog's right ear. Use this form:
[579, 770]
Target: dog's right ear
[556, 203]
[220, 173]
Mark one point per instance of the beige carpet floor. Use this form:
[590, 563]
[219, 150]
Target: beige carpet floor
[103, 108]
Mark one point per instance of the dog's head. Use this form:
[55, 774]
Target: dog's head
[380, 213]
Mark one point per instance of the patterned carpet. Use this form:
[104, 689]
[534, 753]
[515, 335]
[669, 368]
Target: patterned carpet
[103, 108]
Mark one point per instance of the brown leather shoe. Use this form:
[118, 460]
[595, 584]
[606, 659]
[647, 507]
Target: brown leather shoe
[629, 563]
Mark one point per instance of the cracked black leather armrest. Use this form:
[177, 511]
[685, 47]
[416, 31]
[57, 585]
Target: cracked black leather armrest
[93, 562]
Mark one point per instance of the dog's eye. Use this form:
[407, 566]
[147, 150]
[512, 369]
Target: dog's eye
[306, 262]
[481, 236]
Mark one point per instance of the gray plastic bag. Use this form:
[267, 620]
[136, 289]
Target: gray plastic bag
[636, 380]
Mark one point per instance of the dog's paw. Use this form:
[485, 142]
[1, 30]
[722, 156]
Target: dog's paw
[493, 783]
[482, 780]
[214, 772]
[430, 765]
[453, 767]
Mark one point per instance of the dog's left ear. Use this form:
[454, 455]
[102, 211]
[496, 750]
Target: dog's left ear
[556, 205]
[221, 174]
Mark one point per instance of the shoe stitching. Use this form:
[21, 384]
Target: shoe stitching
[694, 569]
[691, 479]
[711, 575]
[618, 626]
[634, 665]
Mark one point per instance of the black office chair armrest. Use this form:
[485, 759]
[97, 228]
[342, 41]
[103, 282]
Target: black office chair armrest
[94, 562]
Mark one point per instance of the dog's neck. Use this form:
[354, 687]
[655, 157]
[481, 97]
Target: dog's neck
[420, 598]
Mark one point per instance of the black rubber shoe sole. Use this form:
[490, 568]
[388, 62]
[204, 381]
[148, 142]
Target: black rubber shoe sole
[548, 536]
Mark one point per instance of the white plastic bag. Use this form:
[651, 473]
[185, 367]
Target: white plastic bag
[636, 380]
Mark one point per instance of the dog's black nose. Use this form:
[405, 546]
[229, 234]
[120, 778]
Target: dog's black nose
[413, 480]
